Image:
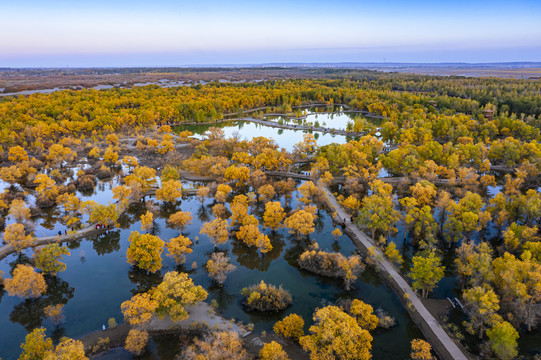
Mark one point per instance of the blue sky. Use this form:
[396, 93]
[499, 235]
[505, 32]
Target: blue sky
[169, 33]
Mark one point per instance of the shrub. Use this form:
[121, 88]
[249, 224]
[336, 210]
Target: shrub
[86, 182]
[111, 323]
[333, 265]
[101, 345]
[218, 345]
[385, 320]
[263, 297]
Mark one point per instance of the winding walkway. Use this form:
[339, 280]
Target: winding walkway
[7, 249]
[275, 124]
[430, 327]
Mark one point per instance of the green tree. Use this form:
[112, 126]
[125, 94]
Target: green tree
[377, 212]
[48, 258]
[426, 272]
[481, 305]
[503, 340]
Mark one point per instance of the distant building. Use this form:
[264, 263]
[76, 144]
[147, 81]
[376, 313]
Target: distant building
[433, 103]
[488, 114]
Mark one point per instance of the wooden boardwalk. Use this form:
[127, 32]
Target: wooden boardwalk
[431, 328]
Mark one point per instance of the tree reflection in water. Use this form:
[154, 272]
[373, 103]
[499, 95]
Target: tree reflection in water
[51, 217]
[203, 214]
[20, 259]
[144, 280]
[251, 259]
[319, 222]
[220, 294]
[30, 312]
[167, 209]
[107, 242]
[74, 244]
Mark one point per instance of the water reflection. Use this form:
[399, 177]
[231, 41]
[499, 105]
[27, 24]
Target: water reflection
[249, 257]
[30, 313]
[51, 217]
[203, 214]
[58, 291]
[221, 295]
[143, 280]
[107, 242]
[73, 244]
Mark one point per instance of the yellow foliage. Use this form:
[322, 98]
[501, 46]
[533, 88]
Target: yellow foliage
[300, 223]
[15, 236]
[336, 335]
[145, 251]
[364, 314]
[420, 350]
[36, 345]
[17, 154]
[274, 215]
[178, 247]
[68, 349]
[266, 192]
[25, 283]
[251, 236]
[110, 156]
[170, 191]
[138, 310]
[220, 346]
[393, 254]
[46, 186]
[290, 327]
[218, 267]
[202, 193]
[272, 351]
[136, 341]
[147, 220]
[176, 291]
[19, 211]
[217, 230]
[240, 174]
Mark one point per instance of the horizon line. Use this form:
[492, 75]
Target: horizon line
[283, 64]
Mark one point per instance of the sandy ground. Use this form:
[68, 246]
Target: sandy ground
[200, 315]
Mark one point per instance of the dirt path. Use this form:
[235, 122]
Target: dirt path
[430, 327]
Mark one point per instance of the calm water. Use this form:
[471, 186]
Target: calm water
[285, 138]
[98, 278]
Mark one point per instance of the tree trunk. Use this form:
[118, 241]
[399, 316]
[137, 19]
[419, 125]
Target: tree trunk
[528, 316]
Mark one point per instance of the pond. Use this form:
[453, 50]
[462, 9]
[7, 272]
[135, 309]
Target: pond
[285, 138]
[98, 279]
